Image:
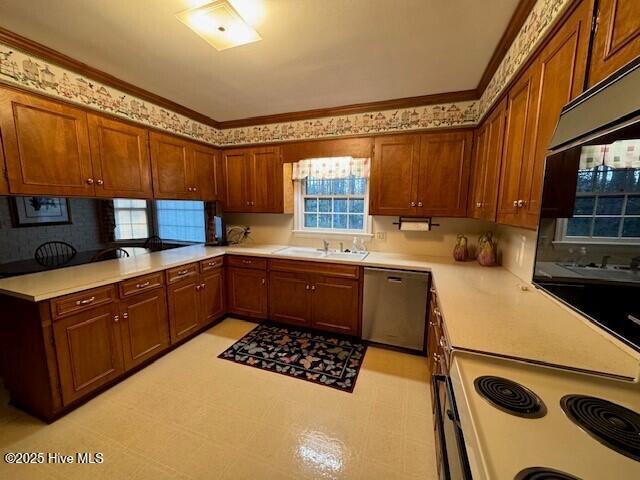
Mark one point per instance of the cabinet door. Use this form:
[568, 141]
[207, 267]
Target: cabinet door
[171, 167]
[120, 158]
[394, 175]
[445, 161]
[495, 125]
[521, 103]
[212, 295]
[478, 172]
[184, 302]
[247, 292]
[89, 351]
[4, 184]
[562, 68]
[265, 180]
[335, 304]
[205, 166]
[617, 39]
[46, 145]
[144, 326]
[236, 164]
[289, 298]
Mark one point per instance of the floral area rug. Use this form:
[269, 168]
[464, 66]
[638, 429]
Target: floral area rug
[325, 359]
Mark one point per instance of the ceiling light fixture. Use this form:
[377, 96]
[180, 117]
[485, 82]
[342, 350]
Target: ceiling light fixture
[219, 24]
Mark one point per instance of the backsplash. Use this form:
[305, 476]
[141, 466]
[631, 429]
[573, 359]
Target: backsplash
[517, 250]
[277, 229]
[20, 243]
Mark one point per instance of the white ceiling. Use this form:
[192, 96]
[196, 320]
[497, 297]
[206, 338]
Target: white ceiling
[314, 53]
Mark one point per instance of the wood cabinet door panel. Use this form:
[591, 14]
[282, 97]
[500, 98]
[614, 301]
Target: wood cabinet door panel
[561, 78]
[495, 126]
[520, 106]
[89, 351]
[394, 175]
[171, 167]
[616, 42]
[478, 172]
[289, 300]
[144, 327]
[335, 304]
[46, 145]
[236, 165]
[266, 180]
[212, 295]
[4, 184]
[247, 292]
[184, 313]
[120, 158]
[445, 161]
[205, 166]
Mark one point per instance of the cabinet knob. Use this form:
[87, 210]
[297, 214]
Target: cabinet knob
[515, 203]
[125, 315]
[116, 318]
[313, 287]
[203, 285]
[195, 189]
[478, 204]
[248, 203]
[90, 181]
[198, 287]
[263, 281]
[307, 287]
[100, 182]
[419, 204]
[520, 203]
[413, 204]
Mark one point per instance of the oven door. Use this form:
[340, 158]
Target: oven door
[451, 453]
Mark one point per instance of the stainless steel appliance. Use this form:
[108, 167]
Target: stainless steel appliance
[395, 306]
[588, 249]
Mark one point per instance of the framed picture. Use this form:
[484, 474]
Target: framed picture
[39, 211]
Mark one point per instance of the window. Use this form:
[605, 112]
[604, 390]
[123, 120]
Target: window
[180, 220]
[132, 222]
[607, 206]
[332, 205]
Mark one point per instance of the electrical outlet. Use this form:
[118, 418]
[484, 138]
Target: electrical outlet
[381, 236]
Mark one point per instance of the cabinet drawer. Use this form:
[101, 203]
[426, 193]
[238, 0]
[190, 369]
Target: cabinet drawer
[211, 263]
[247, 262]
[141, 284]
[78, 302]
[176, 274]
[328, 269]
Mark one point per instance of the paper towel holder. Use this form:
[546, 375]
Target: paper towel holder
[416, 224]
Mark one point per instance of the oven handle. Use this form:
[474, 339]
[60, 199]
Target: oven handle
[435, 379]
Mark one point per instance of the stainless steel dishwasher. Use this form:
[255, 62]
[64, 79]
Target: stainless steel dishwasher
[395, 307]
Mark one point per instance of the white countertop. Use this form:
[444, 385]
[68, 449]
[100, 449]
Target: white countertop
[484, 308]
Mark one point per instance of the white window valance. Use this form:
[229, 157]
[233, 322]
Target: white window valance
[331, 168]
[620, 154]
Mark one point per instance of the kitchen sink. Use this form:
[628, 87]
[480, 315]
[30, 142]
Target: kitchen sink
[303, 252]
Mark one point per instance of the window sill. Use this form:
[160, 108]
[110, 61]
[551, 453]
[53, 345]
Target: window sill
[330, 233]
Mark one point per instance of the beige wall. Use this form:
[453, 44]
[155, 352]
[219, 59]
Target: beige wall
[277, 229]
[517, 247]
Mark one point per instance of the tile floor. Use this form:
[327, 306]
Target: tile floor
[192, 415]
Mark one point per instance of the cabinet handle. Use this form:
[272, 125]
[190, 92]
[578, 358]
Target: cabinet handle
[100, 182]
[515, 203]
[478, 204]
[248, 203]
[125, 315]
[198, 287]
[263, 281]
[307, 287]
[313, 288]
[211, 264]
[202, 285]
[90, 181]
[520, 203]
[437, 311]
[86, 301]
[116, 318]
[413, 204]
[195, 189]
[247, 262]
[419, 204]
[436, 358]
[183, 272]
[142, 285]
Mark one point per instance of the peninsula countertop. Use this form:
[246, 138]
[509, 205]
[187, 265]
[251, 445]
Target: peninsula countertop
[486, 310]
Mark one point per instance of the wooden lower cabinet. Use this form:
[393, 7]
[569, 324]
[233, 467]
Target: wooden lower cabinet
[184, 316]
[335, 304]
[212, 298]
[247, 292]
[288, 300]
[89, 351]
[144, 327]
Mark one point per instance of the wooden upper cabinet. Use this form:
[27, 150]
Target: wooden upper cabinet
[205, 166]
[616, 40]
[236, 167]
[89, 351]
[172, 167]
[46, 145]
[4, 184]
[394, 175]
[477, 186]
[120, 158]
[266, 180]
[445, 162]
[521, 104]
[562, 69]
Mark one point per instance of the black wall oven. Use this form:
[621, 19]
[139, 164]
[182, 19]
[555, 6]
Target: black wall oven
[588, 248]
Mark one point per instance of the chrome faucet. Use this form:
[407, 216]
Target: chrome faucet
[605, 261]
[325, 247]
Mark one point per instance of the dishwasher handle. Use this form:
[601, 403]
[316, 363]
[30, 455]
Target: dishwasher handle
[394, 279]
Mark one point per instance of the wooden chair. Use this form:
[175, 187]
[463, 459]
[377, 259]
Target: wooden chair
[110, 253]
[154, 243]
[54, 253]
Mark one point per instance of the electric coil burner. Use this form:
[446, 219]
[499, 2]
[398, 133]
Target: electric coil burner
[611, 424]
[543, 473]
[510, 397]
